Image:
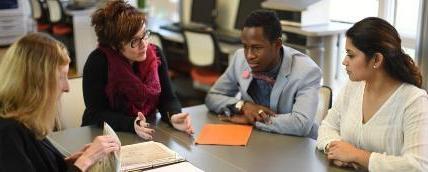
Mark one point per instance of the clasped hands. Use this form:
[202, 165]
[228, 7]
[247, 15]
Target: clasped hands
[180, 121]
[343, 154]
[251, 113]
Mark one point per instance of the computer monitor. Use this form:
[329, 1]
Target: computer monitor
[8, 4]
[244, 9]
[198, 12]
[11, 7]
[203, 12]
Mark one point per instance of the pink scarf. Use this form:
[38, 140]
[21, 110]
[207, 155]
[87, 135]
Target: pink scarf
[129, 91]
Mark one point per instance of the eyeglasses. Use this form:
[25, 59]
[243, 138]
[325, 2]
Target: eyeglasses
[139, 41]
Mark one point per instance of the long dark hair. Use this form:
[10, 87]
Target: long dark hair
[374, 35]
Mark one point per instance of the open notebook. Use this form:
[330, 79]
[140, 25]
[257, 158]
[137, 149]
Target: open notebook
[138, 156]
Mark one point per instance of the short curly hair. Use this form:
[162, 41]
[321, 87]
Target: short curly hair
[116, 23]
[266, 19]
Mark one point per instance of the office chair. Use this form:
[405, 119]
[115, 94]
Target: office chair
[324, 103]
[62, 23]
[72, 105]
[158, 40]
[62, 27]
[40, 14]
[208, 62]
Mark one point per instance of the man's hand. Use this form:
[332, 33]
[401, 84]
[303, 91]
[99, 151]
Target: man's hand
[255, 112]
[239, 119]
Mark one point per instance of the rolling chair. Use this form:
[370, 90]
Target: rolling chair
[324, 103]
[62, 27]
[72, 105]
[62, 23]
[157, 39]
[208, 62]
[40, 14]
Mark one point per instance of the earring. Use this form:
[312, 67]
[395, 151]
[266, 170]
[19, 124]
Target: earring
[374, 67]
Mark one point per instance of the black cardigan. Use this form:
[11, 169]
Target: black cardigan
[98, 110]
[21, 151]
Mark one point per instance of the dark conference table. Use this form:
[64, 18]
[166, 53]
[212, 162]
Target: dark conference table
[264, 152]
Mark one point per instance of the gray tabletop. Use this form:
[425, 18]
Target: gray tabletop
[264, 151]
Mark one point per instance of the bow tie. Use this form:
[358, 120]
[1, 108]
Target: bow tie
[270, 80]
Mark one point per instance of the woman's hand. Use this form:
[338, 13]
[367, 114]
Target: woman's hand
[340, 163]
[73, 157]
[99, 148]
[182, 122]
[346, 152]
[141, 127]
[342, 151]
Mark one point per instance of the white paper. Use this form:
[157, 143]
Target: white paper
[179, 167]
[138, 156]
[147, 155]
[110, 162]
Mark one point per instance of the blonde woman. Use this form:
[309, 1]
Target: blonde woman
[34, 75]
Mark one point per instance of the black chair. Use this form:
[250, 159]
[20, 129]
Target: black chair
[40, 14]
[62, 26]
[205, 56]
[324, 103]
[158, 40]
[61, 22]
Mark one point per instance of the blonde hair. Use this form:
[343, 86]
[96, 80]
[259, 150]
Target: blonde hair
[30, 82]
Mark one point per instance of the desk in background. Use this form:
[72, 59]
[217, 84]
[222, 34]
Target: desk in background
[85, 40]
[264, 151]
[322, 42]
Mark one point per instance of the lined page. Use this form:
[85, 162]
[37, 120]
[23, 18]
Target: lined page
[147, 155]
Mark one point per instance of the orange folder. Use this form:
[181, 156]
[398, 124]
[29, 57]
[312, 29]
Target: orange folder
[224, 134]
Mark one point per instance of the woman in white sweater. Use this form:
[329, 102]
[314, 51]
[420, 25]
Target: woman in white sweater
[380, 119]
